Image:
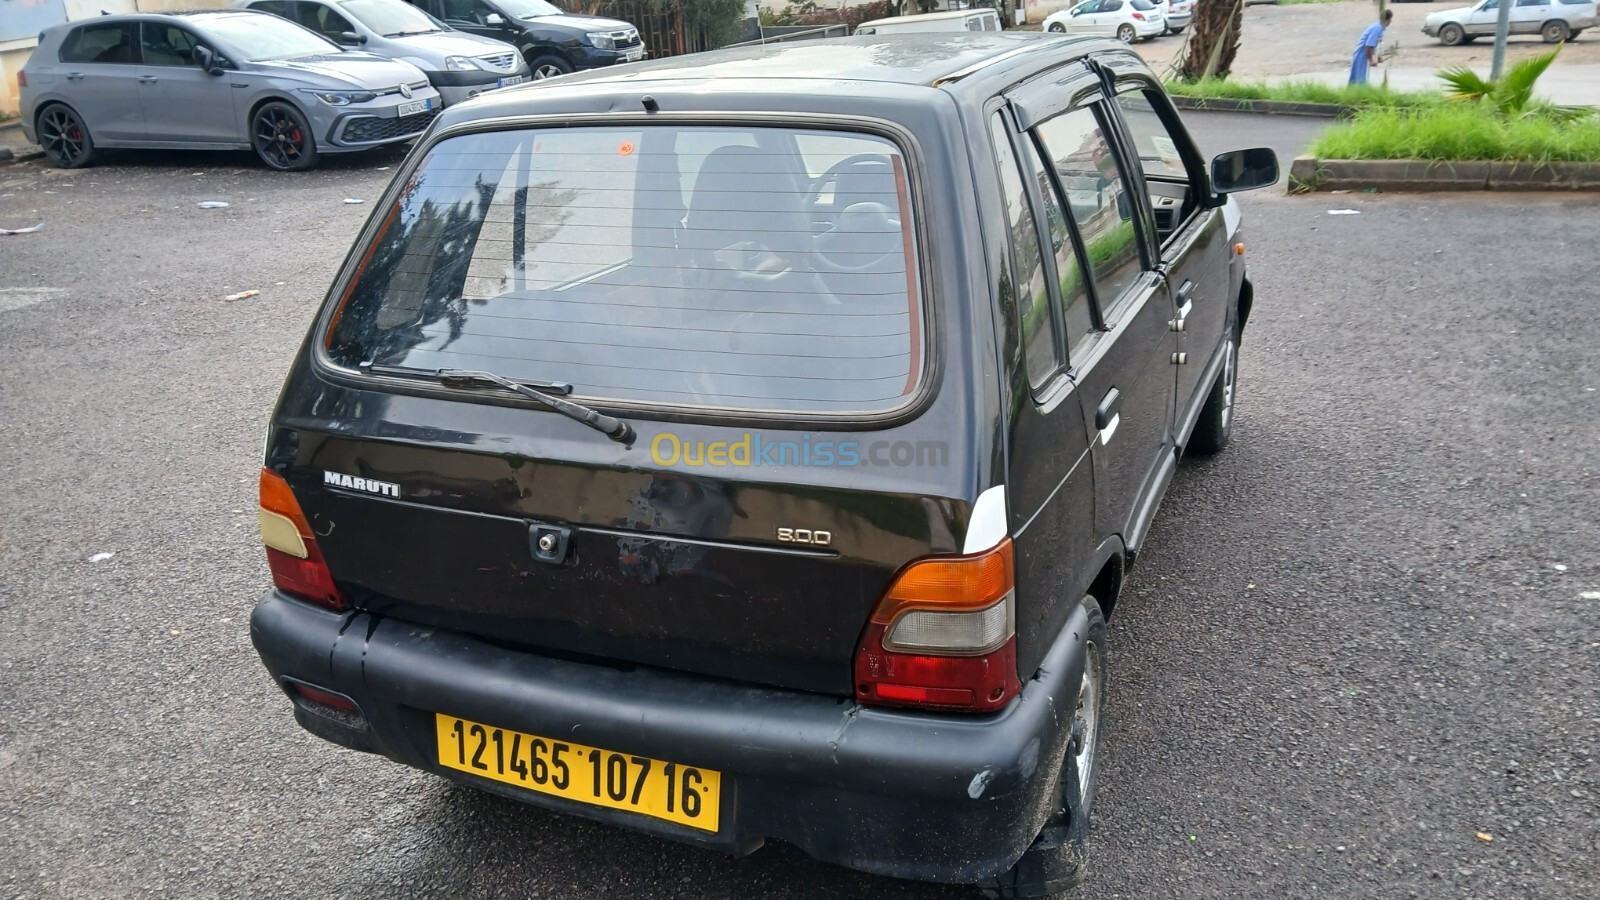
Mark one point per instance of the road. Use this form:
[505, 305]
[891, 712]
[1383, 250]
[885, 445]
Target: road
[1358, 638]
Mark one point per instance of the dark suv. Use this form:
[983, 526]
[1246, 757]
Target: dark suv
[735, 459]
[553, 42]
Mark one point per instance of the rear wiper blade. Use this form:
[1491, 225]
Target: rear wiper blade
[548, 393]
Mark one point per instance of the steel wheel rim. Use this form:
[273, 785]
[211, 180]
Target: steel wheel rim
[548, 70]
[1125, 34]
[1552, 33]
[278, 138]
[63, 136]
[1228, 369]
[1086, 718]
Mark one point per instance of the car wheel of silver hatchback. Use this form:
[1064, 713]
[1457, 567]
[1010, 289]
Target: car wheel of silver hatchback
[282, 138]
[1058, 28]
[1555, 32]
[1126, 34]
[65, 138]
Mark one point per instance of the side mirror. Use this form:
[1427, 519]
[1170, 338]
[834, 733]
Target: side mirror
[493, 19]
[351, 39]
[1244, 170]
[208, 60]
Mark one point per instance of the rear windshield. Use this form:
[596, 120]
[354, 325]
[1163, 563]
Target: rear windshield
[743, 268]
[1142, 5]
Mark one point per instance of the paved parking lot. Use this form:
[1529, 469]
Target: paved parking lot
[1360, 637]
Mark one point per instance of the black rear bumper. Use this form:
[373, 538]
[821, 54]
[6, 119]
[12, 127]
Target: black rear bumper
[936, 798]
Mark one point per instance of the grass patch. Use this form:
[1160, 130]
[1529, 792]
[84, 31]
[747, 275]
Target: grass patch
[1350, 95]
[1459, 132]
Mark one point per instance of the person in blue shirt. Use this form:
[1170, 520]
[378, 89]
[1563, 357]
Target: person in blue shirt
[1366, 55]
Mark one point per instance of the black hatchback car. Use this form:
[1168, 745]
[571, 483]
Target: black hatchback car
[735, 458]
[551, 40]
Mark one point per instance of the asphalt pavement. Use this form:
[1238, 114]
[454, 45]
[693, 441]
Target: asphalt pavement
[1357, 659]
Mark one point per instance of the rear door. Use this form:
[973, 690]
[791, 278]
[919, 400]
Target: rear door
[1193, 240]
[1529, 15]
[1051, 474]
[1124, 371]
[100, 64]
[180, 100]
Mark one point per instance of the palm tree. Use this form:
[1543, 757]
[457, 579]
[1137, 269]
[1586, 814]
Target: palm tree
[1213, 41]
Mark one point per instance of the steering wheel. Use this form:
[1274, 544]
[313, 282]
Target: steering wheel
[838, 249]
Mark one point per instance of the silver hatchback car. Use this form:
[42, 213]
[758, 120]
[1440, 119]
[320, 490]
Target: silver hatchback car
[215, 80]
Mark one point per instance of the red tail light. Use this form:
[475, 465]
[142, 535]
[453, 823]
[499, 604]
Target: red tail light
[297, 566]
[1139, 16]
[943, 636]
[22, 79]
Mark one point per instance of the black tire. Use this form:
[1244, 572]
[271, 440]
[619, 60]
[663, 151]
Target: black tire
[1451, 34]
[548, 65]
[1126, 34]
[282, 137]
[1215, 427]
[1058, 28]
[64, 137]
[1555, 31]
[1058, 858]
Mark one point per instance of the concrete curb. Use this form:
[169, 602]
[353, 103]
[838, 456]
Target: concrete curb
[1307, 173]
[1266, 107]
[8, 156]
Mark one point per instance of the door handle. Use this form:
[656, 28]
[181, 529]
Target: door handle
[1108, 415]
[148, 79]
[74, 76]
[1185, 299]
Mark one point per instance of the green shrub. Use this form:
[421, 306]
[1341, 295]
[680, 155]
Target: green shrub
[1459, 132]
[1352, 95]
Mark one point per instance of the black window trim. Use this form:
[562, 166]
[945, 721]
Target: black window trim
[928, 288]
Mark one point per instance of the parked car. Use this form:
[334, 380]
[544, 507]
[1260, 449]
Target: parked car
[762, 476]
[958, 20]
[1179, 13]
[214, 80]
[552, 41]
[458, 65]
[1553, 20]
[1126, 20]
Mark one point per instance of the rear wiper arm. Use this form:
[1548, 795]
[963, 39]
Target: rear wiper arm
[548, 393]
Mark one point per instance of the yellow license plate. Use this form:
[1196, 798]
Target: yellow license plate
[677, 793]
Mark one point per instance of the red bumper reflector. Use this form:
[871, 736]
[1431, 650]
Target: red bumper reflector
[324, 698]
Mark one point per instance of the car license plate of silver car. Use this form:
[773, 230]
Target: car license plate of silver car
[512, 79]
[412, 108]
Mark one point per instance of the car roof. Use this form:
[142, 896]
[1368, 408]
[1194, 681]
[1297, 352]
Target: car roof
[926, 59]
[929, 17]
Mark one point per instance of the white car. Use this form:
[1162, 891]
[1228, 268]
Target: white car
[1179, 14]
[1553, 20]
[1126, 20]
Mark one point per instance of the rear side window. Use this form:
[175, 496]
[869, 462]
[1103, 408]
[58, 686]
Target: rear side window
[741, 268]
[112, 43]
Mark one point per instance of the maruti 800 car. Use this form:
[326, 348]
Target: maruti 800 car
[752, 445]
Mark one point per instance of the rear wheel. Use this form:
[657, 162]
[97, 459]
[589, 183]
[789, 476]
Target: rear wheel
[282, 137]
[1452, 34]
[1215, 427]
[548, 66]
[64, 137]
[1555, 32]
[1125, 34]
[1058, 858]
